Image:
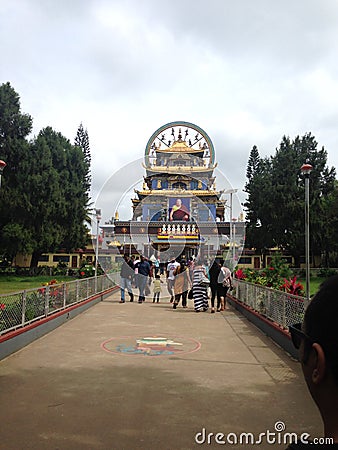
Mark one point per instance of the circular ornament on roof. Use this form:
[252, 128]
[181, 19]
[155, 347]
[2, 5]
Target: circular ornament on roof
[180, 137]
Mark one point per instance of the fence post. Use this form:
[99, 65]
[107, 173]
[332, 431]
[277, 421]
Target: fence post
[47, 301]
[77, 290]
[98, 284]
[64, 292]
[23, 312]
[284, 313]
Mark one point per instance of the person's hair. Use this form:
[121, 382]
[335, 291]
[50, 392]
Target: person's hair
[321, 322]
[215, 265]
[157, 276]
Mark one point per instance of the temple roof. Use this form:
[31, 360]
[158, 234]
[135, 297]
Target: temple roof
[179, 138]
[180, 146]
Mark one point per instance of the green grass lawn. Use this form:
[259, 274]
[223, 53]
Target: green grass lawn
[12, 283]
[315, 282]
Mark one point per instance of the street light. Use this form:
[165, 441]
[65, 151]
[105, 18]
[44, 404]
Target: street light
[98, 218]
[231, 192]
[2, 166]
[306, 170]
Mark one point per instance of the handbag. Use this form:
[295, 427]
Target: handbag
[226, 283]
[225, 276]
[190, 294]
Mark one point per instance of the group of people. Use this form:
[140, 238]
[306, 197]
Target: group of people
[185, 279]
[135, 272]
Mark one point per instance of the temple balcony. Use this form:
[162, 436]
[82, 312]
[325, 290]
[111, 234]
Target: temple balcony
[174, 168]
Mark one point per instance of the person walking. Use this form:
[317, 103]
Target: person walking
[213, 275]
[143, 272]
[223, 285]
[157, 288]
[171, 267]
[200, 288]
[182, 284]
[126, 274]
[135, 261]
[157, 266]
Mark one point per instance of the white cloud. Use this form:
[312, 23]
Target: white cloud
[246, 72]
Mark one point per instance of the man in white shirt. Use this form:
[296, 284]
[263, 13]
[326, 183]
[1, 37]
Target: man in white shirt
[172, 265]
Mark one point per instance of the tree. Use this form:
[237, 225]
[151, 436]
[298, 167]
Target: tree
[253, 164]
[14, 150]
[257, 187]
[67, 211]
[276, 197]
[82, 141]
[44, 195]
[44, 198]
[329, 247]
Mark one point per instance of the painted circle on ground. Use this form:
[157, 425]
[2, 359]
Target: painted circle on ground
[154, 345]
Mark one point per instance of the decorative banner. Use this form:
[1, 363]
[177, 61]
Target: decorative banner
[179, 209]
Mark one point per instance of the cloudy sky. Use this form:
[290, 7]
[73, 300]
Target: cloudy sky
[247, 72]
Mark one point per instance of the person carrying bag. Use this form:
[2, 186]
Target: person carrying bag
[224, 284]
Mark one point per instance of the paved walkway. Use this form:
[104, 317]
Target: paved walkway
[87, 385]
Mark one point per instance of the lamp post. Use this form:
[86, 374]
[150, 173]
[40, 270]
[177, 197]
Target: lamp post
[231, 192]
[306, 170]
[2, 166]
[98, 218]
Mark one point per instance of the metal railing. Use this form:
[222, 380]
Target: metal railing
[19, 309]
[280, 307]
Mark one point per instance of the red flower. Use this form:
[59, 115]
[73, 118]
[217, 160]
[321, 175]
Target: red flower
[2, 306]
[240, 274]
[293, 287]
[82, 273]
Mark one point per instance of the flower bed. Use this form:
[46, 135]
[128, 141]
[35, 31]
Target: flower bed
[277, 275]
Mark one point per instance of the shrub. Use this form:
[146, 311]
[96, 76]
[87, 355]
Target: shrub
[293, 287]
[86, 271]
[276, 276]
[326, 272]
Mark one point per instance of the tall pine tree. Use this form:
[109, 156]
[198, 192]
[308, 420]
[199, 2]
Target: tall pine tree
[82, 141]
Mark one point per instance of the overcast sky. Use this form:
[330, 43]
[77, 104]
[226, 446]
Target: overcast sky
[245, 71]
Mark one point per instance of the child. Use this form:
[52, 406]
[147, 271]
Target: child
[157, 288]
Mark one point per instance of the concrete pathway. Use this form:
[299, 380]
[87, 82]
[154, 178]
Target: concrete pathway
[88, 385]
